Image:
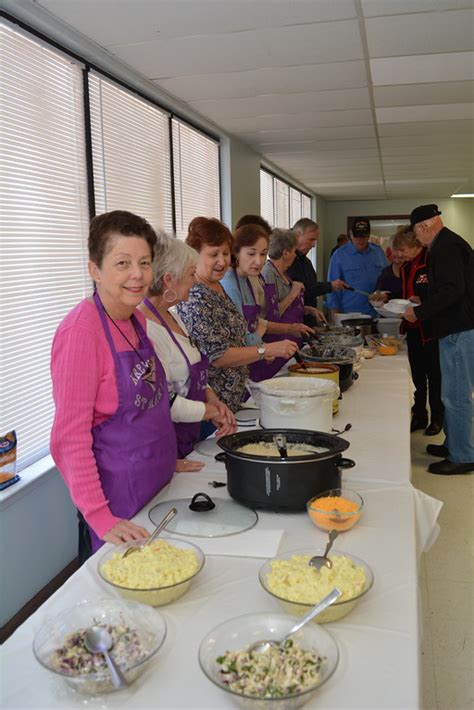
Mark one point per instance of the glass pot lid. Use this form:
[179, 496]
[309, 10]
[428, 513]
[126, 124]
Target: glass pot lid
[203, 516]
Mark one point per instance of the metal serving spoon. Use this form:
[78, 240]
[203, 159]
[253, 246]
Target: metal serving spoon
[280, 442]
[169, 516]
[98, 640]
[319, 561]
[262, 646]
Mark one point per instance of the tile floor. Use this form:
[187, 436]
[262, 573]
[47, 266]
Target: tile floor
[447, 587]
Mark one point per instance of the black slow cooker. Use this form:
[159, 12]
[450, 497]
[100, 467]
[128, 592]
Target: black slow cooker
[282, 484]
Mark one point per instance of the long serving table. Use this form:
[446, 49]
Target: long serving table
[378, 641]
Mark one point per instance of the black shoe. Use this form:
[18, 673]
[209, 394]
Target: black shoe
[450, 468]
[417, 423]
[433, 429]
[438, 450]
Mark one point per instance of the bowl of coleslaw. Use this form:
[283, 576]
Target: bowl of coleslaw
[298, 586]
[287, 677]
[137, 633]
[156, 574]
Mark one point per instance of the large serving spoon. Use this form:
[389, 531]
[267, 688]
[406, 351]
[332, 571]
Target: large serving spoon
[280, 442]
[262, 646]
[98, 640]
[320, 561]
[169, 516]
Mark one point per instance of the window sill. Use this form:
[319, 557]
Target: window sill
[31, 477]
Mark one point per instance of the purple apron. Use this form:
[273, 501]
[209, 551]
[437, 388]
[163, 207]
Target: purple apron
[135, 449]
[187, 433]
[250, 313]
[294, 314]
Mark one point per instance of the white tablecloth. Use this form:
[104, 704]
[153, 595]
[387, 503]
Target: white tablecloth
[378, 641]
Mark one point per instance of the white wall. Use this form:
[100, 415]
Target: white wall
[458, 215]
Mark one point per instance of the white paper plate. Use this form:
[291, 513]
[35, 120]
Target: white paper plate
[208, 447]
[246, 417]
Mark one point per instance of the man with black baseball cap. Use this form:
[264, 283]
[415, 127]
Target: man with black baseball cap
[358, 263]
[450, 307]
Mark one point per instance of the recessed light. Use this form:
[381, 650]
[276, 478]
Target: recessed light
[464, 194]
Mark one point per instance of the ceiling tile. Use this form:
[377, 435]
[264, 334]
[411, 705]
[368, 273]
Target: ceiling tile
[435, 112]
[448, 32]
[310, 119]
[310, 148]
[284, 103]
[416, 94]
[439, 128]
[373, 8]
[304, 135]
[268, 80]
[427, 138]
[239, 51]
[144, 20]
[428, 68]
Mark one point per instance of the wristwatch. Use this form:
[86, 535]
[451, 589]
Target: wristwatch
[261, 351]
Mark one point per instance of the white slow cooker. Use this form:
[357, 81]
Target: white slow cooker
[296, 403]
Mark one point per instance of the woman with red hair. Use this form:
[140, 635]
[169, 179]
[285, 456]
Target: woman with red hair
[212, 320]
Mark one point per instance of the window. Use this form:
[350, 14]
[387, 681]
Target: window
[196, 176]
[43, 223]
[281, 204]
[131, 153]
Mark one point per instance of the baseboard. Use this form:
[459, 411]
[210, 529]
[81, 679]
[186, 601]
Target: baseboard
[31, 606]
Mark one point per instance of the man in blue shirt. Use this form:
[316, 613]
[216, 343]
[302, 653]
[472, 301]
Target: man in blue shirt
[359, 264]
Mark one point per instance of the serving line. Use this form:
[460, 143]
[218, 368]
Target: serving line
[379, 641]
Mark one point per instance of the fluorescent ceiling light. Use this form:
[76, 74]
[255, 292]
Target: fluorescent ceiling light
[465, 194]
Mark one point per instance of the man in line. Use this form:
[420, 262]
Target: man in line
[307, 234]
[450, 307]
[358, 263]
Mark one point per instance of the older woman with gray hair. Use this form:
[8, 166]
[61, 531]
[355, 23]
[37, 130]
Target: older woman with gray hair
[192, 399]
[281, 255]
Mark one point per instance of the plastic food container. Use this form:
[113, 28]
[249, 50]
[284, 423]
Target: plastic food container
[148, 624]
[153, 596]
[238, 633]
[338, 609]
[338, 509]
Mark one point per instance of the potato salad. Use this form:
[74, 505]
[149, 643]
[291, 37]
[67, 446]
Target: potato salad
[275, 673]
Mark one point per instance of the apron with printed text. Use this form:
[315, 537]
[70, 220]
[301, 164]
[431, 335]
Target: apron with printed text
[135, 449]
[187, 433]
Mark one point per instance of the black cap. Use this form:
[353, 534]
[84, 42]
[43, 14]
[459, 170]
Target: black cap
[360, 227]
[423, 212]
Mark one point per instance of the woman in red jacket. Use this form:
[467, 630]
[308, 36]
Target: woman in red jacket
[423, 352]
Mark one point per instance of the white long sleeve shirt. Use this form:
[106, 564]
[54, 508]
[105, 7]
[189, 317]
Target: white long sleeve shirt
[176, 369]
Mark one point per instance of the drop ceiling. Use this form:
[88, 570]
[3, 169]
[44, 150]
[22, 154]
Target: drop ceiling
[356, 99]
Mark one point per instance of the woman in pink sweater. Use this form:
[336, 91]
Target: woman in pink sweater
[112, 438]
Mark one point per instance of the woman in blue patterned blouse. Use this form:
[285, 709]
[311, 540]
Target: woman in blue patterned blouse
[214, 323]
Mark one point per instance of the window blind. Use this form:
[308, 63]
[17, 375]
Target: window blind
[196, 176]
[295, 205]
[131, 153]
[282, 210]
[266, 197]
[44, 220]
[305, 206]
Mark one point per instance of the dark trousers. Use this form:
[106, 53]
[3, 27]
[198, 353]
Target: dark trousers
[84, 550]
[426, 375]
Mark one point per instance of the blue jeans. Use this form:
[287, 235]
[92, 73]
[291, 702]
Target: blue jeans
[456, 354]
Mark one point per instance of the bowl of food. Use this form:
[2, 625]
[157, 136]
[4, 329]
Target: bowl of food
[156, 574]
[137, 633]
[298, 586]
[337, 509]
[387, 349]
[286, 677]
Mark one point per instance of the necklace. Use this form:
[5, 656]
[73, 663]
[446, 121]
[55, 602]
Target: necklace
[147, 366]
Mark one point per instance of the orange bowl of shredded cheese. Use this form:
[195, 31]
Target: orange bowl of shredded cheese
[388, 350]
[337, 509]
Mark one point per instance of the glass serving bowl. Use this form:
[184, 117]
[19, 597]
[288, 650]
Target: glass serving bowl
[333, 518]
[338, 609]
[148, 625]
[153, 595]
[238, 633]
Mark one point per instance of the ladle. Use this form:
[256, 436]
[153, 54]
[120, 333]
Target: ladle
[280, 442]
[262, 646]
[320, 561]
[98, 640]
[169, 516]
